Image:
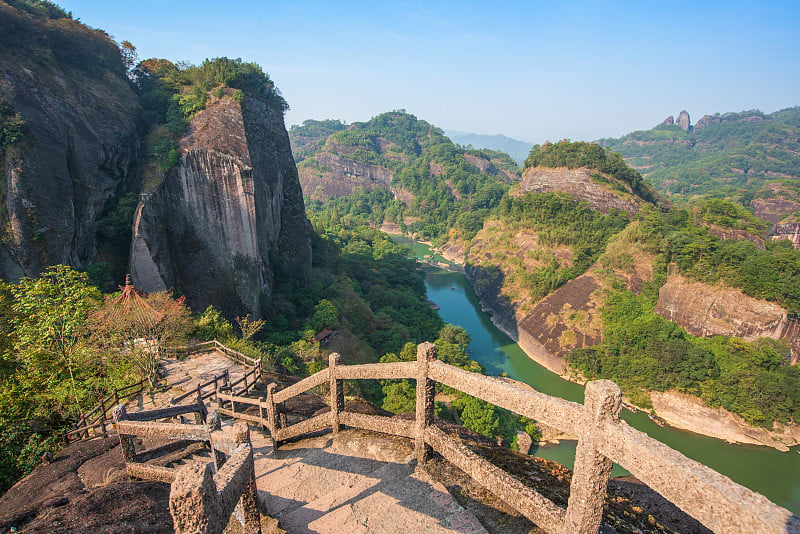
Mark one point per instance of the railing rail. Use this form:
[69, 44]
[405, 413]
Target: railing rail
[200, 501]
[716, 501]
[97, 421]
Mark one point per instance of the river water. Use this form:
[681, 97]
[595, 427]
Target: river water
[768, 471]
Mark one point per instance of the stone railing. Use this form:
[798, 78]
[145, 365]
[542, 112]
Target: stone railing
[203, 496]
[206, 389]
[713, 499]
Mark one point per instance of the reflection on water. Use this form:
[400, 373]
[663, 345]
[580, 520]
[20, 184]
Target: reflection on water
[770, 472]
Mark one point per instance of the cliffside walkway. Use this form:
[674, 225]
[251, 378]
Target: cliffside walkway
[357, 482]
[334, 480]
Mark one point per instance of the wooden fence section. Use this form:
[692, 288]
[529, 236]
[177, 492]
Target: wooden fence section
[96, 422]
[201, 501]
[713, 499]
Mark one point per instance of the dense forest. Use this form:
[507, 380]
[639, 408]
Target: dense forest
[722, 154]
[447, 192]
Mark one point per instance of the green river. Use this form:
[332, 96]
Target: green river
[768, 471]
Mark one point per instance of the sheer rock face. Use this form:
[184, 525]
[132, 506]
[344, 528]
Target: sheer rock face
[705, 310]
[683, 120]
[81, 146]
[228, 221]
[337, 176]
[577, 182]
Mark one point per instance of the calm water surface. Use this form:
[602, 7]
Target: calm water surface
[768, 471]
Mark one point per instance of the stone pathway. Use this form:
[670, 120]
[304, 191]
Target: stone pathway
[182, 375]
[357, 482]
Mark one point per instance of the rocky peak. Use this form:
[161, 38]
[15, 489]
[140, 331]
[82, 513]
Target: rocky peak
[228, 221]
[669, 121]
[706, 120]
[683, 120]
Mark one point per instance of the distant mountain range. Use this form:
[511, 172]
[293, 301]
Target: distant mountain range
[732, 152]
[513, 147]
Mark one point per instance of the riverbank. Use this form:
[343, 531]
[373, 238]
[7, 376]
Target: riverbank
[681, 411]
[690, 413]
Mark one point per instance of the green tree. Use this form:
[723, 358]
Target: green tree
[50, 323]
[212, 325]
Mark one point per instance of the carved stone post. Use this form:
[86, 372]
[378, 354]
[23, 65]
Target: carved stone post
[214, 424]
[592, 470]
[193, 500]
[273, 429]
[337, 393]
[426, 353]
[248, 504]
[125, 440]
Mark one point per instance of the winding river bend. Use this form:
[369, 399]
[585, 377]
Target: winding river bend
[768, 471]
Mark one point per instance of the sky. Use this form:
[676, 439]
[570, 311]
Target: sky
[531, 70]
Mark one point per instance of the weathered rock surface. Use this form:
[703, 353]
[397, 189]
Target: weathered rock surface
[669, 121]
[790, 231]
[683, 120]
[705, 310]
[688, 412]
[773, 210]
[577, 182]
[229, 219]
[81, 147]
[336, 176]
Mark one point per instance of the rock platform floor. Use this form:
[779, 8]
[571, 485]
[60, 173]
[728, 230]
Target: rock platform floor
[356, 482]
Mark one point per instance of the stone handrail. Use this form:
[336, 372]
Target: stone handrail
[254, 371]
[716, 501]
[200, 501]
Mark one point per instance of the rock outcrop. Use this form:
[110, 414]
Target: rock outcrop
[229, 219]
[81, 145]
[669, 121]
[577, 182]
[330, 175]
[790, 231]
[705, 310]
[683, 121]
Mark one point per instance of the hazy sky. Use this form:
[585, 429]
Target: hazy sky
[531, 70]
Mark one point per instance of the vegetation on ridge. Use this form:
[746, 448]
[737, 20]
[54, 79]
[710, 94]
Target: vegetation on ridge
[722, 154]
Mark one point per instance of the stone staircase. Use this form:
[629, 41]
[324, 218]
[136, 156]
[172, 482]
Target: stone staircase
[356, 482]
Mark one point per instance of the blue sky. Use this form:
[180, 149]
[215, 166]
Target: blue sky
[531, 70]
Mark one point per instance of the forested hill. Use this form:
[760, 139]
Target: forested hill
[402, 170]
[729, 151]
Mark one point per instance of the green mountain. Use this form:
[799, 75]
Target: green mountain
[399, 169]
[728, 152]
[513, 147]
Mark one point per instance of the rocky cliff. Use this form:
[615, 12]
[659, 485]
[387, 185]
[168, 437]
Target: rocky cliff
[582, 184]
[330, 175]
[80, 146]
[705, 310]
[229, 219]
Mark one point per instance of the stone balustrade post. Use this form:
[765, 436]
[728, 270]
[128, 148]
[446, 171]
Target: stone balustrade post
[193, 501]
[271, 423]
[426, 353]
[337, 393]
[592, 470]
[125, 440]
[248, 503]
